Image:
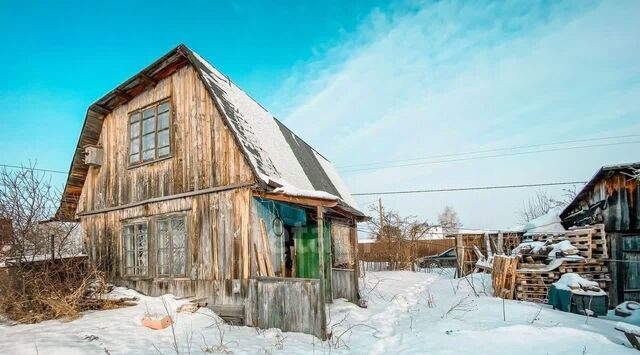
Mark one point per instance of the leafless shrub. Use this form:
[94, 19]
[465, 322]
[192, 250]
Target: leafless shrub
[542, 203]
[222, 346]
[460, 306]
[430, 302]
[43, 278]
[47, 290]
[399, 234]
[537, 315]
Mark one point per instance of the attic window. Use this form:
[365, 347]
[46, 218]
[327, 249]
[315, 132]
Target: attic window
[149, 133]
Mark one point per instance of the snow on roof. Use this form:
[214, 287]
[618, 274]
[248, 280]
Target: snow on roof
[275, 153]
[546, 224]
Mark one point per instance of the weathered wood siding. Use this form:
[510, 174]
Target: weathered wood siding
[619, 212]
[219, 233]
[293, 305]
[204, 153]
[344, 284]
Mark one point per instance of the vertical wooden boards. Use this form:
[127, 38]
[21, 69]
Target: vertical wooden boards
[323, 316]
[293, 305]
[203, 152]
[214, 221]
[503, 276]
[266, 248]
[344, 284]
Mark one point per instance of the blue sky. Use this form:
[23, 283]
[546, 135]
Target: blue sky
[362, 81]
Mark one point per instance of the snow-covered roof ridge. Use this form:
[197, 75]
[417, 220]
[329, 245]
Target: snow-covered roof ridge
[274, 152]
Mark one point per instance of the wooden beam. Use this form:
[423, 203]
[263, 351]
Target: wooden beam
[267, 249]
[99, 109]
[123, 94]
[147, 79]
[307, 201]
[170, 197]
[323, 314]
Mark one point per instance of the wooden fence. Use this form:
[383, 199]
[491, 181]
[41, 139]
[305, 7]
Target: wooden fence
[344, 284]
[400, 251]
[291, 304]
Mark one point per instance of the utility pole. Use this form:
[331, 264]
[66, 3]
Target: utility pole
[380, 234]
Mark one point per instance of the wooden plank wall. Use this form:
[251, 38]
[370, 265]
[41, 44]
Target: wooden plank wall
[291, 304]
[220, 234]
[344, 284]
[204, 153]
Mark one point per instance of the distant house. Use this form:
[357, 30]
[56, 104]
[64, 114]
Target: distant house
[184, 184]
[611, 197]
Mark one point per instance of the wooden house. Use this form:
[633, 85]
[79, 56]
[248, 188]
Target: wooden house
[184, 184]
[611, 198]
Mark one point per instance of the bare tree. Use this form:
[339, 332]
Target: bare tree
[399, 234]
[37, 283]
[28, 201]
[449, 221]
[542, 203]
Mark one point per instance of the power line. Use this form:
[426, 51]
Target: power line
[488, 150]
[494, 187]
[490, 156]
[34, 169]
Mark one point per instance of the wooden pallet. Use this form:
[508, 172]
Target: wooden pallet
[544, 237]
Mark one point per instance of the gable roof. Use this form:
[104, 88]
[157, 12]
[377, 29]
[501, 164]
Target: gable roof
[594, 180]
[281, 161]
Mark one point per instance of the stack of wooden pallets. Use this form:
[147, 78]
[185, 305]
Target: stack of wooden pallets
[593, 270]
[581, 239]
[599, 249]
[544, 237]
[532, 285]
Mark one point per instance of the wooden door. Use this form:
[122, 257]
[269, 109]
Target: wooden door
[631, 267]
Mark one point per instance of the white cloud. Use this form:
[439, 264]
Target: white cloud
[451, 77]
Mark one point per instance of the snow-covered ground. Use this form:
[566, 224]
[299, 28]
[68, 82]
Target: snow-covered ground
[408, 313]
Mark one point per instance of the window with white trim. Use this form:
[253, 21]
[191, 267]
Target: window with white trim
[135, 245]
[171, 247]
[149, 133]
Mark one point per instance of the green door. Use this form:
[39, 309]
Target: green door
[307, 256]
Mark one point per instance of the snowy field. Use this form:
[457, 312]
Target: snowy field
[408, 313]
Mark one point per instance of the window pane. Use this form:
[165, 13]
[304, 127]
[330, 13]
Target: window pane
[178, 262]
[163, 152]
[148, 112]
[163, 138]
[177, 228]
[163, 107]
[148, 142]
[148, 154]
[135, 146]
[135, 129]
[135, 117]
[148, 125]
[163, 120]
[134, 158]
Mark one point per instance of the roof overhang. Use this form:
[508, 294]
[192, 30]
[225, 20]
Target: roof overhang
[92, 128]
[593, 181]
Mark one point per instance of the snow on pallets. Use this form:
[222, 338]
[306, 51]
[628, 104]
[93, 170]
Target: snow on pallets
[592, 270]
[533, 285]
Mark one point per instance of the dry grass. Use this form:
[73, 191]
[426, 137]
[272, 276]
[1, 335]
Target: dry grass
[60, 289]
